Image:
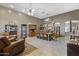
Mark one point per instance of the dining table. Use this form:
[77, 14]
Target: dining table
[48, 35]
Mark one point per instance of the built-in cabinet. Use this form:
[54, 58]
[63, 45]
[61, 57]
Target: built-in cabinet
[32, 30]
[11, 29]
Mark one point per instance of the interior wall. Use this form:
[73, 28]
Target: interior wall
[13, 18]
[62, 18]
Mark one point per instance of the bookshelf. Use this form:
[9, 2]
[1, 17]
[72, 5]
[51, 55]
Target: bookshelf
[11, 29]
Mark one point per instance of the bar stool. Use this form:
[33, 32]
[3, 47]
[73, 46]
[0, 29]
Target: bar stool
[41, 35]
[45, 37]
[38, 35]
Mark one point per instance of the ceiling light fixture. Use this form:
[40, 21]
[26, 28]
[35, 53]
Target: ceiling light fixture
[30, 11]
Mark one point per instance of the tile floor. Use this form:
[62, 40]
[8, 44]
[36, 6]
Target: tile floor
[49, 48]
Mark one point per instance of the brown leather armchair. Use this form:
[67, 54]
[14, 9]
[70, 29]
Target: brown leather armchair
[11, 48]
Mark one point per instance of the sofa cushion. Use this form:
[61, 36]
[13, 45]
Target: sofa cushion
[5, 41]
[5, 34]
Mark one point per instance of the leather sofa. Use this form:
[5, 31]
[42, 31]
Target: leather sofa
[8, 48]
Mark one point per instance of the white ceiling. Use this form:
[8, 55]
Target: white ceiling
[43, 10]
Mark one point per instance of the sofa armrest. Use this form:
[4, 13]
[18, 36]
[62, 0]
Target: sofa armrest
[11, 49]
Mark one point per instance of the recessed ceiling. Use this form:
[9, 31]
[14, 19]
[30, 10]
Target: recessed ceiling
[43, 10]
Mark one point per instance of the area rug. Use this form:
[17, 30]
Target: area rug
[29, 49]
